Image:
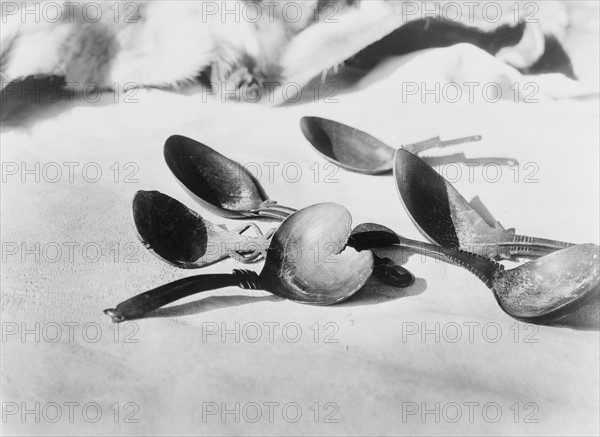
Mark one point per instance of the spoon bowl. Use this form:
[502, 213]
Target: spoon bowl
[219, 184]
[348, 147]
[308, 260]
[546, 287]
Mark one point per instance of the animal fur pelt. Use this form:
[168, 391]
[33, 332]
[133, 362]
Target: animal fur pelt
[233, 43]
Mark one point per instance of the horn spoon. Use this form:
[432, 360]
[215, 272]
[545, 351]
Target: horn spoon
[445, 217]
[293, 268]
[358, 151]
[221, 185]
[183, 238]
[541, 291]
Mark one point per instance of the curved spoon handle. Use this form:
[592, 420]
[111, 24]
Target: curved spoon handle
[432, 143]
[370, 236]
[482, 267]
[151, 300]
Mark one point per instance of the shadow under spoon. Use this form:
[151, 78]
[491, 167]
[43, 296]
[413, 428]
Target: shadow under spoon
[541, 291]
[290, 271]
[444, 216]
[358, 151]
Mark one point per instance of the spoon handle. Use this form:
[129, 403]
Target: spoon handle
[242, 248]
[524, 250]
[431, 143]
[271, 213]
[271, 209]
[282, 208]
[508, 250]
[523, 246]
[371, 235]
[143, 303]
[482, 267]
[552, 244]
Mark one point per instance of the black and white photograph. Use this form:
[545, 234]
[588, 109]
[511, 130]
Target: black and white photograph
[300, 218]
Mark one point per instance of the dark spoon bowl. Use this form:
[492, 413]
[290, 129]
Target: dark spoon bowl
[169, 229]
[183, 238]
[219, 184]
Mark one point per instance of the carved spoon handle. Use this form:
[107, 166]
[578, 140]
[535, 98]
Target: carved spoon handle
[482, 267]
[151, 300]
